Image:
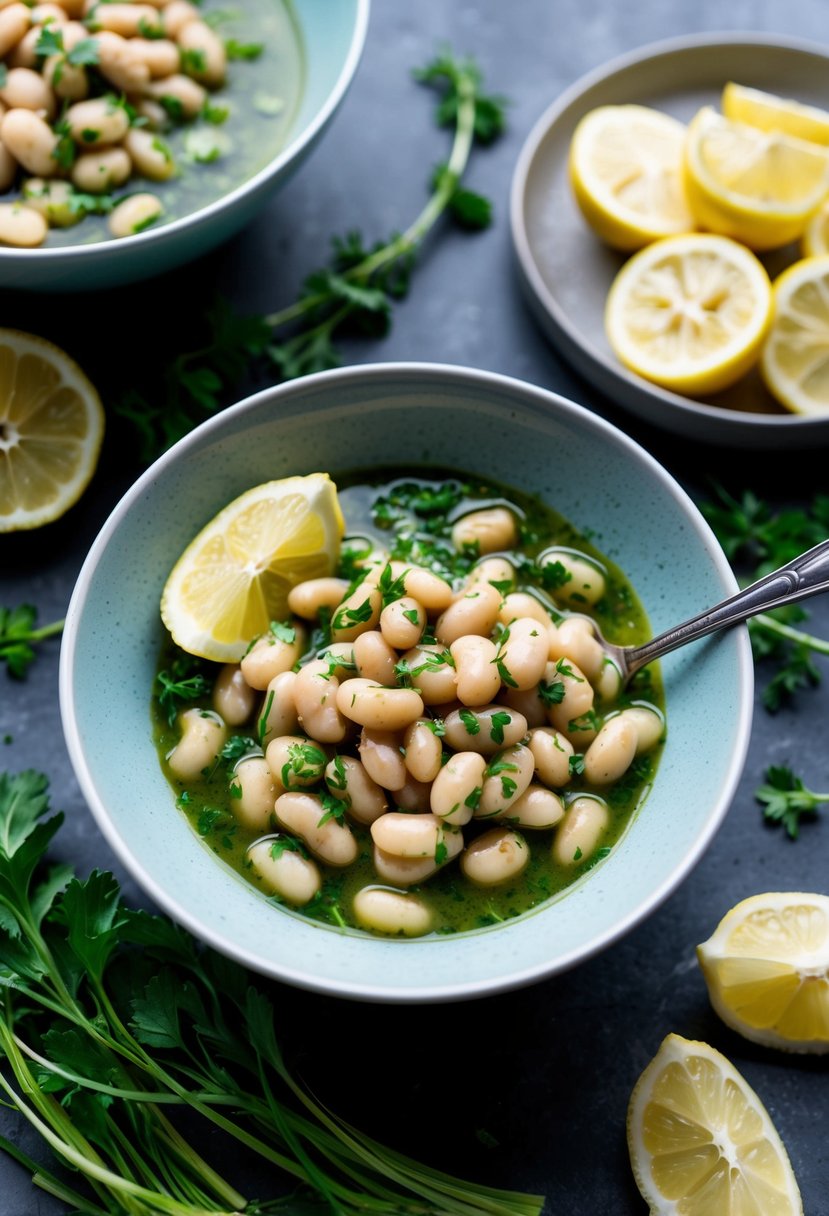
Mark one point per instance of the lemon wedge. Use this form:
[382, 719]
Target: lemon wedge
[772, 113]
[689, 312]
[759, 187]
[795, 359]
[815, 240]
[767, 970]
[51, 429]
[626, 173]
[234, 578]
[701, 1142]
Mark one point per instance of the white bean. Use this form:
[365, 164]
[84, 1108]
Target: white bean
[576, 640]
[552, 751]
[180, 95]
[308, 598]
[295, 762]
[583, 581]
[495, 857]
[522, 604]
[97, 122]
[648, 723]
[611, 752]
[380, 754]
[126, 20]
[410, 835]
[537, 808]
[576, 699]
[253, 792]
[135, 214]
[176, 15]
[26, 89]
[53, 200]
[485, 730]
[505, 780]
[476, 673]
[284, 870]
[233, 697]
[21, 227]
[402, 622]
[278, 715]
[358, 613]
[406, 871]
[8, 168]
[202, 737]
[526, 702]
[98, 172]
[117, 62]
[69, 80]
[150, 155]
[433, 672]
[203, 54]
[375, 659]
[496, 570]
[392, 913]
[489, 530]
[30, 140]
[48, 14]
[475, 611]
[347, 779]
[522, 653]
[331, 842]
[340, 659]
[315, 697]
[160, 55]
[14, 22]
[423, 751]
[585, 822]
[270, 655]
[378, 708]
[456, 790]
[429, 589]
[413, 795]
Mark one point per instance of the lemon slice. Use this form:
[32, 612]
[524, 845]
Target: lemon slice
[795, 358]
[51, 428]
[689, 312]
[757, 186]
[767, 970]
[771, 113]
[234, 578]
[701, 1142]
[626, 173]
[815, 240]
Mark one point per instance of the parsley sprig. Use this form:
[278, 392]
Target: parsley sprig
[19, 635]
[785, 799]
[112, 1016]
[354, 293]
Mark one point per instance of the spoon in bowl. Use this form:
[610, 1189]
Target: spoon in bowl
[806, 575]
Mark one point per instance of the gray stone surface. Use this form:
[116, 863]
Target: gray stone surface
[546, 1071]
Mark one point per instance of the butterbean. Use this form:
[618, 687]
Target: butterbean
[97, 122]
[30, 140]
[331, 842]
[357, 613]
[150, 155]
[456, 790]
[493, 570]
[423, 751]
[526, 702]
[495, 857]
[576, 640]
[537, 808]
[270, 655]
[611, 752]
[306, 599]
[203, 734]
[51, 14]
[375, 659]
[492, 733]
[609, 681]
[392, 913]
[406, 871]
[315, 697]
[409, 835]
[522, 653]
[433, 672]
[489, 530]
[347, 779]
[522, 604]
[176, 15]
[180, 92]
[552, 751]
[402, 622]
[52, 199]
[21, 227]
[475, 611]
[72, 8]
[160, 55]
[378, 708]
[648, 723]
[505, 781]
[203, 53]
[380, 754]
[285, 871]
[24, 55]
[295, 762]
[26, 89]
[14, 22]
[68, 80]
[429, 589]
[576, 700]
[278, 714]
[476, 673]
[413, 795]
[585, 822]
[126, 20]
[153, 113]
[135, 214]
[253, 791]
[339, 657]
[233, 697]
[98, 172]
[117, 62]
[8, 168]
[584, 581]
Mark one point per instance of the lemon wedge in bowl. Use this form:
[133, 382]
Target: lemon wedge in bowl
[701, 1142]
[815, 240]
[51, 430]
[759, 187]
[689, 312]
[767, 970]
[795, 359]
[233, 579]
[625, 169]
[769, 112]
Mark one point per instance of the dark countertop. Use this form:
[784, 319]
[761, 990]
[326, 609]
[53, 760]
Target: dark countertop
[546, 1071]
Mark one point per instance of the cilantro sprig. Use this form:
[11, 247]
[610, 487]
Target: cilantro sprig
[19, 635]
[354, 293]
[785, 799]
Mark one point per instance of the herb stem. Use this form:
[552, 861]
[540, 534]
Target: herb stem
[46, 631]
[818, 645]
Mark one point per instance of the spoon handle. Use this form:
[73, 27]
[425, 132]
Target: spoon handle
[807, 575]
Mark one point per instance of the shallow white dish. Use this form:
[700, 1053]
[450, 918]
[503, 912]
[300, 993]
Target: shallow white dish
[567, 272]
[381, 416]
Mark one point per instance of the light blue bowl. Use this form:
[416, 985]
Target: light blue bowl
[333, 33]
[404, 414]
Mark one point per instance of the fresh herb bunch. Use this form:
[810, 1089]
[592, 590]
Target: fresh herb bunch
[19, 635]
[757, 541]
[355, 293]
[112, 1017]
[785, 799]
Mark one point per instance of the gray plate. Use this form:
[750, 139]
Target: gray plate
[566, 270]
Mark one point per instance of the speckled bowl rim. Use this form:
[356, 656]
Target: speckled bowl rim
[532, 398]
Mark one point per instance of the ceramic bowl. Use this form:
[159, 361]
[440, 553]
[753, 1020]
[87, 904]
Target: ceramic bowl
[332, 35]
[404, 415]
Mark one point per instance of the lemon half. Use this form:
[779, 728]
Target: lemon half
[767, 970]
[772, 113]
[689, 312]
[795, 359]
[701, 1142]
[51, 429]
[234, 578]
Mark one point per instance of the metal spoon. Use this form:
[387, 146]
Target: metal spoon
[806, 575]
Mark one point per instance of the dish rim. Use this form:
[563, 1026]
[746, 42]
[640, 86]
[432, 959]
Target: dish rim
[535, 398]
[609, 372]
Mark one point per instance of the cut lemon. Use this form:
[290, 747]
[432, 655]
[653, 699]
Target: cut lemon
[51, 428]
[759, 187]
[767, 970]
[815, 240]
[771, 113]
[626, 173]
[795, 359]
[234, 578]
[689, 312]
[701, 1142]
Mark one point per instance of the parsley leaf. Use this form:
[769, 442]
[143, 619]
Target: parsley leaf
[785, 799]
[19, 635]
[183, 681]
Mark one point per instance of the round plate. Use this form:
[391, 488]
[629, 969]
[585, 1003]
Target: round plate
[567, 271]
